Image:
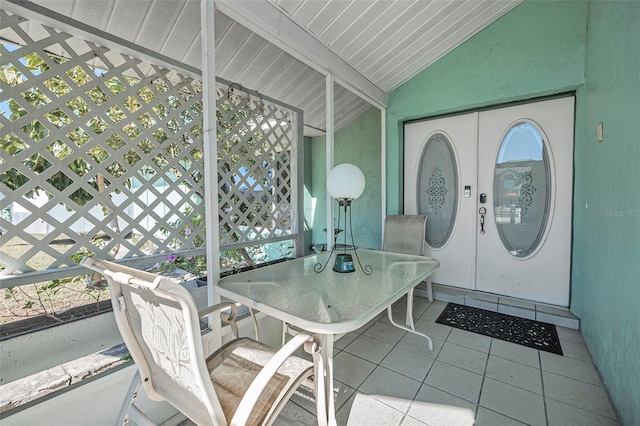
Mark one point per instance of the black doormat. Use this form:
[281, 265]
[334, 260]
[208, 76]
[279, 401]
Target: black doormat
[526, 332]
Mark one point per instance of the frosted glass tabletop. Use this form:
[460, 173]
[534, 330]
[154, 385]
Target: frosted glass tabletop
[328, 302]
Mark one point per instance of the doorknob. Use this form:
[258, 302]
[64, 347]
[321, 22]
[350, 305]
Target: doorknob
[482, 212]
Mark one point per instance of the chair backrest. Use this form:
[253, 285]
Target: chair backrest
[404, 234]
[158, 321]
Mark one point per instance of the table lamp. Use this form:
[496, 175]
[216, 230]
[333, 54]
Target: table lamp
[345, 183]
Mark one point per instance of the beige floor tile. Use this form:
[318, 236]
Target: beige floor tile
[462, 357]
[575, 350]
[410, 421]
[293, 415]
[434, 310]
[518, 353]
[433, 329]
[390, 388]
[436, 407]
[515, 374]
[559, 414]
[470, 340]
[513, 402]
[385, 333]
[351, 370]
[456, 381]
[362, 410]
[370, 349]
[419, 345]
[408, 363]
[398, 317]
[364, 327]
[569, 334]
[578, 394]
[570, 367]
[345, 340]
[305, 398]
[490, 418]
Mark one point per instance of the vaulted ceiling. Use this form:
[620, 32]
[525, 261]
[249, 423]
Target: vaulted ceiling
[284, 48]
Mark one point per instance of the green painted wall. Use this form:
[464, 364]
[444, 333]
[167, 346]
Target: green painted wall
[536, 49]
[606, 250]
[358, 143]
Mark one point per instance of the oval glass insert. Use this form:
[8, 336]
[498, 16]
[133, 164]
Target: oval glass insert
[521, 189]
[438, 189]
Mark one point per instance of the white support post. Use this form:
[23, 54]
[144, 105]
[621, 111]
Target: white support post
[383, 161]
[207, 13]
[330, 82]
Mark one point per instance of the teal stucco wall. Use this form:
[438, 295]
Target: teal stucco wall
[536, 49]
[358, 143]
[543, 48]
[606, 249]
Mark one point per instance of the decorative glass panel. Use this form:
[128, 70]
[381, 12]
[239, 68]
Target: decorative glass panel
[438, 189]
[522, 189]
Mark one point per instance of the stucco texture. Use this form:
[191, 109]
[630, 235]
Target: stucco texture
[543, 48]
[358, 143]
[606, 249]
[536, 49]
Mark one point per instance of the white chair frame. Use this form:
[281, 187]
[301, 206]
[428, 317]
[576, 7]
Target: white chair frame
[150, 372]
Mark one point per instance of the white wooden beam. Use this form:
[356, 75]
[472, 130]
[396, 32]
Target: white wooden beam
[269, 22]
[209, 122]
[329, 90]
[383, 166]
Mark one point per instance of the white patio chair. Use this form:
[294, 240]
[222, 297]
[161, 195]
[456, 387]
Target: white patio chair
[406, 234]
[243, 383]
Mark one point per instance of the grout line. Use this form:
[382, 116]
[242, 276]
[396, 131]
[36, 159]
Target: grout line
[502, 414]
[484, 375]
[544, 398]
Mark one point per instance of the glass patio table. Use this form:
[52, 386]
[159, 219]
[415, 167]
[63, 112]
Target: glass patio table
[329, 303]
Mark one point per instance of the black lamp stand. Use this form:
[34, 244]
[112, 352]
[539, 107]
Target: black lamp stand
[344, 261]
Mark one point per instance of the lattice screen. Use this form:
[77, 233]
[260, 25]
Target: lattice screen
[102, 153]
[256, 170]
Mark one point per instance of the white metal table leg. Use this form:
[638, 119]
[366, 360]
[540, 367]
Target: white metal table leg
[409, 318]
[390, 314]
[327, 357]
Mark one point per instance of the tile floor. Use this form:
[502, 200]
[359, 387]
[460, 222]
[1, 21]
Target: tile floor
[385, 376]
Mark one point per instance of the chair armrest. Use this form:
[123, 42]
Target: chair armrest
[227, 317]
[220, 306]
[262, 379]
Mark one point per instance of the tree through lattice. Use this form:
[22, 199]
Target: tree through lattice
[256, 153]
[100, 152]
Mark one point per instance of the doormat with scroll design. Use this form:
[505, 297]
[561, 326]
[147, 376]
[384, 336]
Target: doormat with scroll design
[522, 331]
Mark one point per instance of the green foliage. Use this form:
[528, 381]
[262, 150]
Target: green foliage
[181, 267]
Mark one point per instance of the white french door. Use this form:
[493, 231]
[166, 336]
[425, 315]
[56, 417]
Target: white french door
[496, 187]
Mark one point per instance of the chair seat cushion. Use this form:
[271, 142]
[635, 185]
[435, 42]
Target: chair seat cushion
[233, 368]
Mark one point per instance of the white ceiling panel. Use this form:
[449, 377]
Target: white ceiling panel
[125, 18]
[152, 34]
[386, 42]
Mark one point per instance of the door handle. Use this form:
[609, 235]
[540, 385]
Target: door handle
[483, 212]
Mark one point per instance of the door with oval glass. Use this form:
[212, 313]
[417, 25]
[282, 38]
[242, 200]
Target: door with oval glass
[509, 205]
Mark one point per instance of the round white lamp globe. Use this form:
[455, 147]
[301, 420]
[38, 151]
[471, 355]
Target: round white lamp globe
[345, 181]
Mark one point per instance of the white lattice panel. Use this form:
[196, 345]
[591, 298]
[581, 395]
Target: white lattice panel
[101, 152]
[256, 155]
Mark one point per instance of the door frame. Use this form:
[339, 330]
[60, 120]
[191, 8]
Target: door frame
[488, 107]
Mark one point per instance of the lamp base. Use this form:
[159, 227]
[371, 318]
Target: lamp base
[344, 263]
